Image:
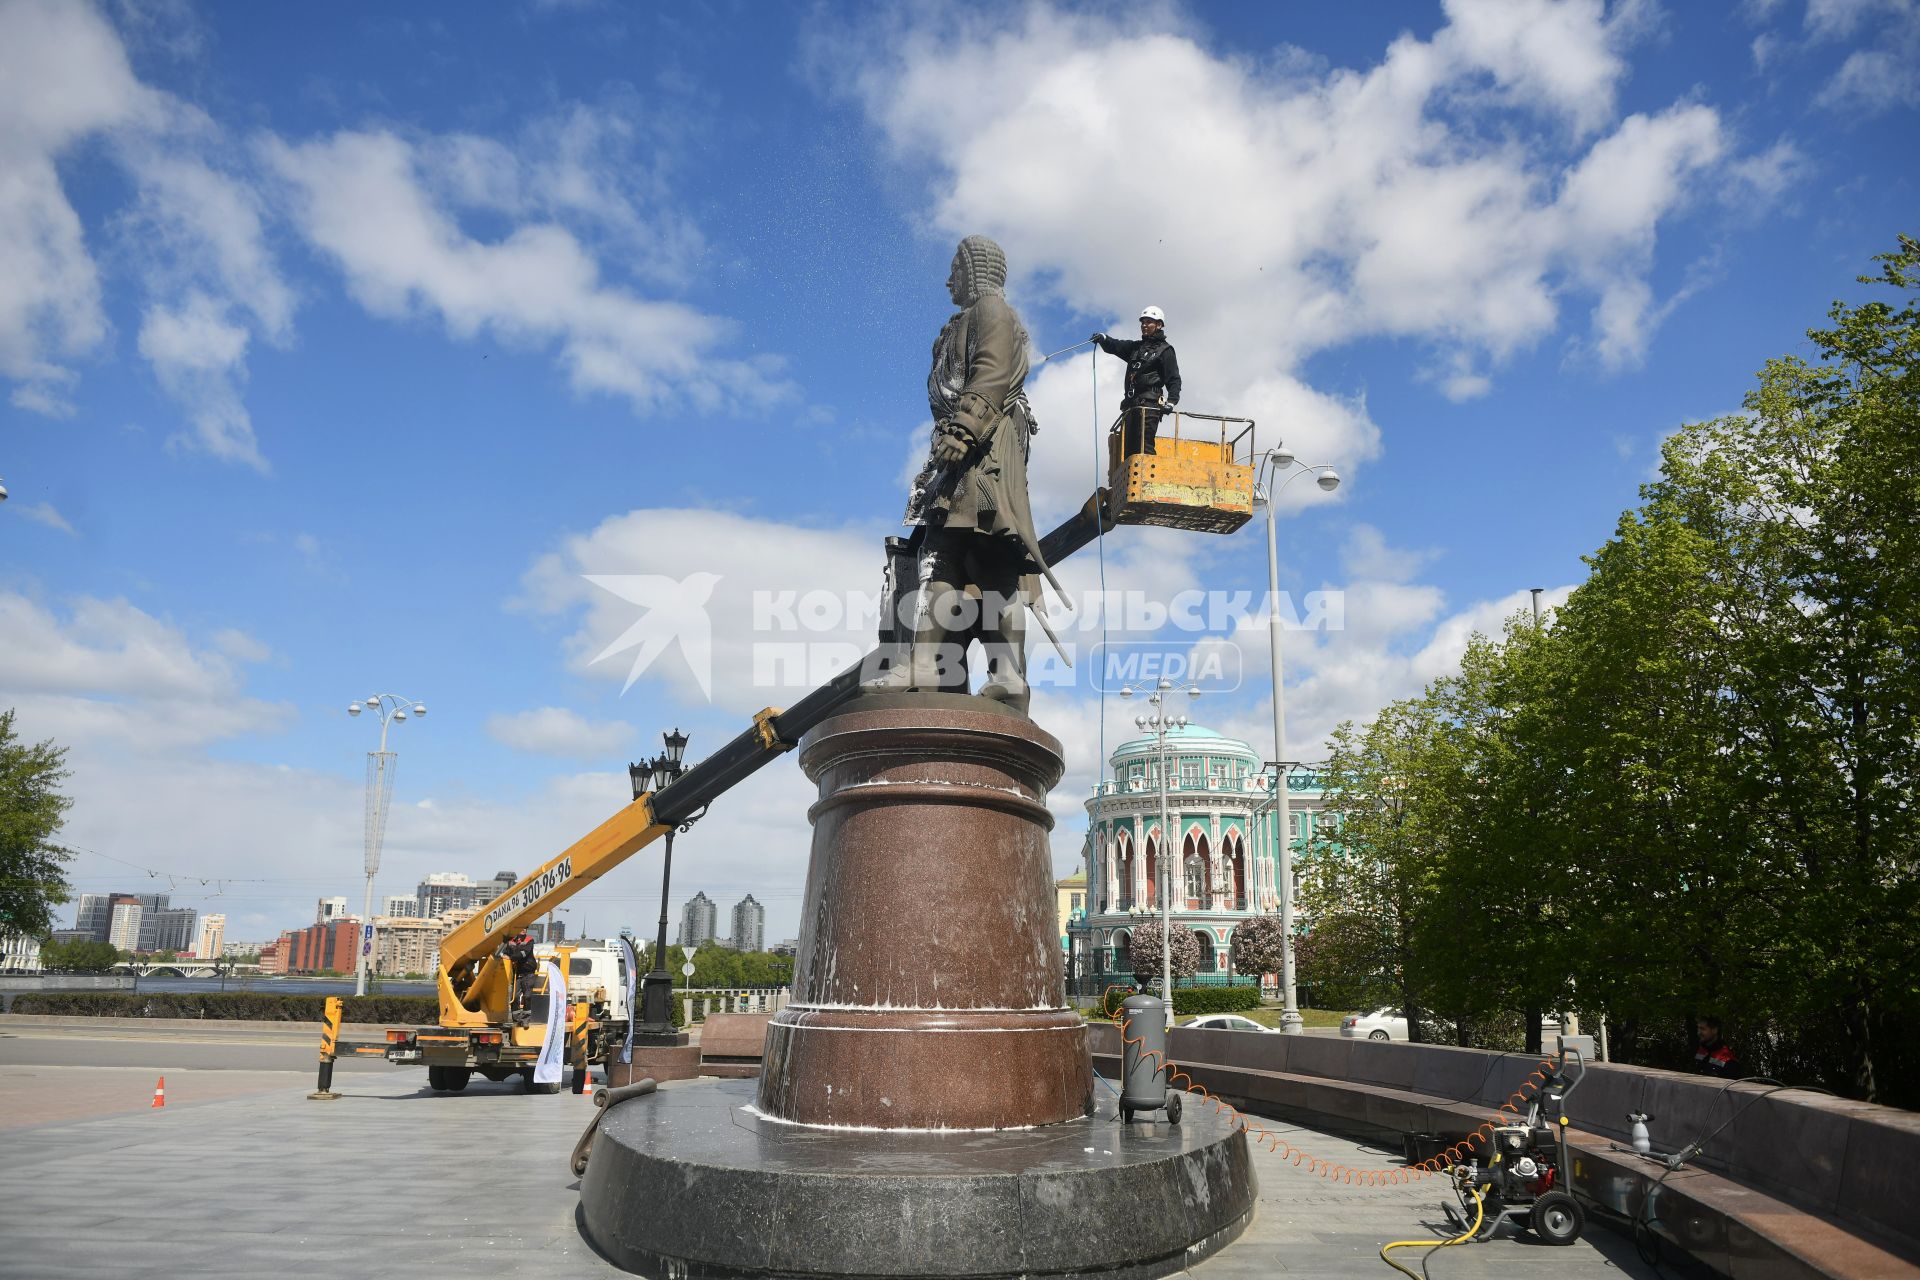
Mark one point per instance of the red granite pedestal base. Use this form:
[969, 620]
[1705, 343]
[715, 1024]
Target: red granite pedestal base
[927, 987]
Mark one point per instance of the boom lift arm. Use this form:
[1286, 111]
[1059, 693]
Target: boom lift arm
[475, 981]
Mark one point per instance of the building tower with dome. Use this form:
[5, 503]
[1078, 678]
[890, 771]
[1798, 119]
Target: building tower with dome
[1225, 842]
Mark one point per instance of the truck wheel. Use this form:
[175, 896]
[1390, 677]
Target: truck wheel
[526, 1079]
[456, 1078]
[437, 1079]
[1557, 1218]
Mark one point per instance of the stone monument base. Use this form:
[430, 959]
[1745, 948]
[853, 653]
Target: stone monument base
[692, 1181]
[661, 1062]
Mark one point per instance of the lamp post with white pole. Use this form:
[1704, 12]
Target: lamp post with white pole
[1282, 469]
[1159, 721]
[391, 708]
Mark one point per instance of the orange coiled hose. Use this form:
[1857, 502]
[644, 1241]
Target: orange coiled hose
[1333, 1170]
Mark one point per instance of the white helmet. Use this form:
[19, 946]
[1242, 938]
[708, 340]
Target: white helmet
[1154, 313]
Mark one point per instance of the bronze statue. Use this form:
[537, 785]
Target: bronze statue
[976, 553]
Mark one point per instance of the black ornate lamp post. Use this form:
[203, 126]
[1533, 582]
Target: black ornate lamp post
[656, 998]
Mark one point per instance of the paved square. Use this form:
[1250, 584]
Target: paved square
[396, 1180]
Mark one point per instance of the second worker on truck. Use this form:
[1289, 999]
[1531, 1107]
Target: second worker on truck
[1152, 369]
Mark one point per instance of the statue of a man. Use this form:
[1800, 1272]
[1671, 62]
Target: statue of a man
[979, 557]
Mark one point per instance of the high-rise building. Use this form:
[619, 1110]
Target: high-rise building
[173, 928]
[697, 921]
[445, 890]
[123, 929]
[407, 944]
[400, 904]
[94, 915]
[212, 943]
[749, 925]
[487, 890]
[542, 931]
[330, 909]
[331, 946]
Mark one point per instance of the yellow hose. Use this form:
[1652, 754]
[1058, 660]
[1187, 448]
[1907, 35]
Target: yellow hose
[1479, 1212]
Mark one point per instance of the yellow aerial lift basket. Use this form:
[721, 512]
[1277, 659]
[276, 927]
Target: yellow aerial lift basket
[1196, 478]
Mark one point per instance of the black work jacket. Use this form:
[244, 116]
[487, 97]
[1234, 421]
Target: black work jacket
[1151, 365]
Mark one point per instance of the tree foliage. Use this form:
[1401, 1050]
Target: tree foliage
[1259, 946]
[78, 955]
[1144, 950]
[1695, 791]
[32, 866]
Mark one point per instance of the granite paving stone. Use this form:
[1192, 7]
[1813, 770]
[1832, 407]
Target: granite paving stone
[392, 1180]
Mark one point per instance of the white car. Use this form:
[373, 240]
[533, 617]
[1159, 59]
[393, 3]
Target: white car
[1381, 1024]
[1228, 1022]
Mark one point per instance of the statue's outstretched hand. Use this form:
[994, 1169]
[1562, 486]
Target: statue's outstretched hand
[1098, 337]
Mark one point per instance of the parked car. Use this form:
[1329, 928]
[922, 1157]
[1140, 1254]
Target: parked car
[1381, 1024]
[1229, 1022]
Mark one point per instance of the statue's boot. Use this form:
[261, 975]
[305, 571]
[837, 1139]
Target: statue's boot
[930, 664]
[1004, 638]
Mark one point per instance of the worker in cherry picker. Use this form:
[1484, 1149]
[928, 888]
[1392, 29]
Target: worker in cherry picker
[1153, 380]
[518, 951]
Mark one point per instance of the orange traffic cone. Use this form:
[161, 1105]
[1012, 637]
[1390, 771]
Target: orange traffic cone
[160, 1093]
[586, 1090]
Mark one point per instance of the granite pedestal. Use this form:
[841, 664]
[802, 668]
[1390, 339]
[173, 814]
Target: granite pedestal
[693, 1181]
[927, 1105]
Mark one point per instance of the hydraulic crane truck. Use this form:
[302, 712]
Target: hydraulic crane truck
[1195, 483]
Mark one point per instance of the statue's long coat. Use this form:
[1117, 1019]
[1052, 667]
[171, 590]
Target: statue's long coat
[979, 380]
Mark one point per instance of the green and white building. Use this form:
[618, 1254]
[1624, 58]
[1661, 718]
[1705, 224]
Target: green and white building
[1225, 841]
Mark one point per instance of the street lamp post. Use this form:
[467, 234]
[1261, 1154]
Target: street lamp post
[1283, 469]
[656, 999]
[1159, 721]
[391, 708]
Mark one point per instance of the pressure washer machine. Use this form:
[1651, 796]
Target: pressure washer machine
[1526, 1181]
[1143, 1057]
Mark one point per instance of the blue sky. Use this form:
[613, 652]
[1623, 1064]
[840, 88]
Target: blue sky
[341, 347]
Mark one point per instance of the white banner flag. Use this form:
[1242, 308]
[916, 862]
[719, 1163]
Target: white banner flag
[633, 1009]
[546, 1070]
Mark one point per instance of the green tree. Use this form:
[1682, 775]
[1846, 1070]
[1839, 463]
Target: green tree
[1184, 954]
[32, 876]
[1259, 946]
[78, 955]
[1367, 887]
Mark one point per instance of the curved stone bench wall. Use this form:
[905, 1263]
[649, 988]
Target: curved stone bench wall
[1799, 1183]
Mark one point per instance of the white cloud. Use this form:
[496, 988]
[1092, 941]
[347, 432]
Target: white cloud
[63, 76]
[1565, 56]
[1838, 19]
[1295, 208]
[368, 201]
[109, 672]
[764, 571]
[46, 514]
[194, 232]
[199, 357]
[556, 731]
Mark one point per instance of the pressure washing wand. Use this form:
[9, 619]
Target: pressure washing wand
[1062, 351]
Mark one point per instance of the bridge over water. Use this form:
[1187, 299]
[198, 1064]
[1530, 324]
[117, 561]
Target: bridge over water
[185, 968]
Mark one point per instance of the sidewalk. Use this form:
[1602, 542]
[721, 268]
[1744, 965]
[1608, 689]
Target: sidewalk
[394, 1179]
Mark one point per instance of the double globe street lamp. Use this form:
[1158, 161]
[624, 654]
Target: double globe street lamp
[1160, 721]
[656, 1000]
[1281, 469]
[392, 709]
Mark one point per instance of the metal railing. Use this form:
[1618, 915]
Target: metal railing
[696, 1005]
